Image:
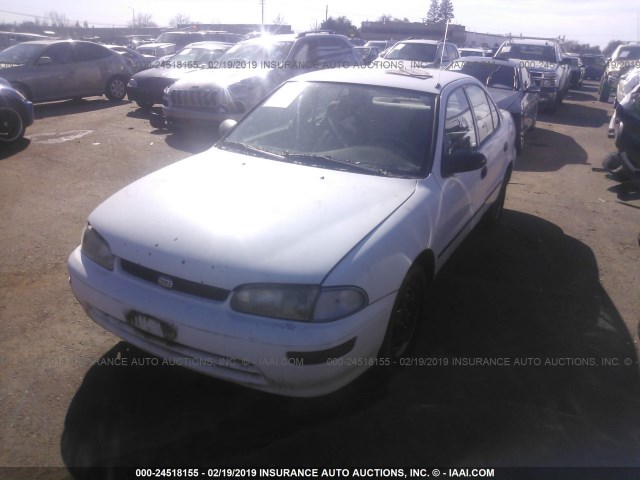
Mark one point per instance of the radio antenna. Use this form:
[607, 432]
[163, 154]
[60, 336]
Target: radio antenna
[444, 44]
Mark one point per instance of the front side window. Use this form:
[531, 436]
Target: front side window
[459, 131]
[59, 53]
[367, 129]
[481, 112]
[419, 52]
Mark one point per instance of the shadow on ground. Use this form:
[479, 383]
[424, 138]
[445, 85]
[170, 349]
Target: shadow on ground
[548, 151]
[523, 363]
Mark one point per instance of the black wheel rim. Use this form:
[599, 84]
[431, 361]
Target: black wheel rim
[405, 319]
[10, 125]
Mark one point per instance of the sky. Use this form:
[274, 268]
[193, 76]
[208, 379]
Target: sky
[595, 22]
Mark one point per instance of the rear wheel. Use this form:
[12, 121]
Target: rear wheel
[116, 88]
[603, 92]
[407, 315]
[11, 125]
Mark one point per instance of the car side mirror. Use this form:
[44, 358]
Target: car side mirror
[226, 126]
[460, 161]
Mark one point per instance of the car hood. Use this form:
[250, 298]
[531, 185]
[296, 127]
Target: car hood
[163, 72]
[219, 77]
[225, 219]
[506, 99]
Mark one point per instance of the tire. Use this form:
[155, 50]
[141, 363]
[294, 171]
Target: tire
[12, 127]
[519, 121]
[407, 315]
[603, 91]
[492, 217]
[116, 88]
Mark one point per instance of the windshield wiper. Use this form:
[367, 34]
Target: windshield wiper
[328, 159]
[248, 149]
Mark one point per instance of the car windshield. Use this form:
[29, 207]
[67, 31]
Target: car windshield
[261, 50]
[361, 128]
[540, 53]
[20, 54]
[419, 52]
[490, 74]
[628, 53]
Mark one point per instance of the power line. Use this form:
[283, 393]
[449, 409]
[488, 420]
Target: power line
[30, 15]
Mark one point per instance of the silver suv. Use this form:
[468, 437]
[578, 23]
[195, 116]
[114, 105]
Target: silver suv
[624, 58]
[247, 72]
[547, 65]
[48, 70]
[419, 53]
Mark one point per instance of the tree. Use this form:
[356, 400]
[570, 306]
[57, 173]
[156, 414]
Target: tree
[339, 25]
[179, 19]
[57, 19]
[611, 46]
[445, 11]
[143, 20]
[279, 20]
[432, 14]
[391, 19]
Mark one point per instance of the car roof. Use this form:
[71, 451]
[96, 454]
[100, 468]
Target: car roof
[423, 79]
[50, 42]
[209, 43]
[420, 40]
[491, 60]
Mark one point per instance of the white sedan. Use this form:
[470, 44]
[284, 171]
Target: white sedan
[296, 253]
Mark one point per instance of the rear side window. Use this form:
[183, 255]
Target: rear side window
[331, 50]
[86, 52]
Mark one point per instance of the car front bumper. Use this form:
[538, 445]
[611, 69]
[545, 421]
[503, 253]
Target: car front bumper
[284, 357]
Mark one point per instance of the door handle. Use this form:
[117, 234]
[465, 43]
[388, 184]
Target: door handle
[483, 172]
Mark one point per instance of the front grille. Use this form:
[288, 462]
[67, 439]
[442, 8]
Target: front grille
[194, 98]
[178, 284]
[536, 77]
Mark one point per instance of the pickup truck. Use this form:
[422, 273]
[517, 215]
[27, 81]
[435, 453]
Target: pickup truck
[547, 65]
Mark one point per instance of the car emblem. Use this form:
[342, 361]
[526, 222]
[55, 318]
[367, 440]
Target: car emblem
[165, 282]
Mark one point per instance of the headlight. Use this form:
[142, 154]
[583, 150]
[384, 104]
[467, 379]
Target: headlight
[96, 248]
[132, 83]
[305, 303]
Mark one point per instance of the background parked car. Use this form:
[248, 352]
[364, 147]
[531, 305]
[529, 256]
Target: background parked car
[157, 50]
[368, 54]
[47, 70]
[474, 52]
[627, 83]
[146, 88]
[576, 70]
[510, 86]
[136, 60]
[421, 53]
[546, 64]
[16, 113]
[248, 71]
[594, 66]
[624, 58]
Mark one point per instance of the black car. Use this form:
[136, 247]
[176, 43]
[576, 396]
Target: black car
[510, 86]
[576, 70]
[16, 113]
[146, 87]
[594, 66]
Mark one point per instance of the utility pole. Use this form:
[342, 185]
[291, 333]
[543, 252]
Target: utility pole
[326, 13]
[133, 18]
[262, 5]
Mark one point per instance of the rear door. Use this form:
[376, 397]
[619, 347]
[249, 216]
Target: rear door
[92, 68]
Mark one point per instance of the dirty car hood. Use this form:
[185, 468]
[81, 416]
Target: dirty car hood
[226, 219]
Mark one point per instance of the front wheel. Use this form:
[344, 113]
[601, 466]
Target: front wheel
[407, 315]
[116, 88]
[491, 218]
[519, 121]
[11, 125]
